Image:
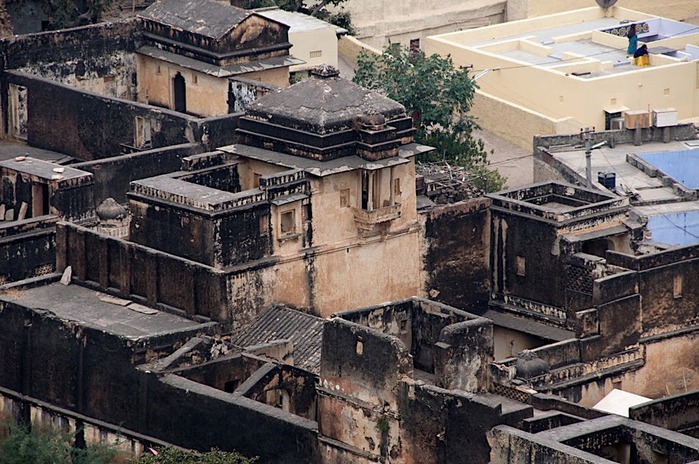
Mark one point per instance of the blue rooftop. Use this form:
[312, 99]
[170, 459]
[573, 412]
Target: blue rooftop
[683, 166]
[679, 229]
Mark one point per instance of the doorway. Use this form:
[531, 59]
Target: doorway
[180, 93]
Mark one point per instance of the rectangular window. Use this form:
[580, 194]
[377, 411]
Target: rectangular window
[264, 225]
[195, 79]
[521, 266]
[316, 53]
[414, 45]
[677, 286]
[344, 198]
[287, 223]
[256, 180]
[396, 187]
[157, 69]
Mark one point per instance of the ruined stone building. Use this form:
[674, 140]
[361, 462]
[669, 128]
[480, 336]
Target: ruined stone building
[257, 281]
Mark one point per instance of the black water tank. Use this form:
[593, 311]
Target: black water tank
[607, 179]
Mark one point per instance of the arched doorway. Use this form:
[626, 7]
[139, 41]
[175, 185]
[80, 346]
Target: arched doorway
[180, 93]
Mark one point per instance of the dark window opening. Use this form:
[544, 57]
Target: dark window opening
[180, 93]
[597, 247]
[365, 190]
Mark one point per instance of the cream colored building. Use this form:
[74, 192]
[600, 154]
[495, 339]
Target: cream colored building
[558, 73]
[312, 40]
[382, 22]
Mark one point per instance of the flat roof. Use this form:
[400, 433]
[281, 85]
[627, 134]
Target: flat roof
[628, 177]
[681, 165]
[298, 22]
[44, 169]
[91, 308]
[10, 149]
[571, 41]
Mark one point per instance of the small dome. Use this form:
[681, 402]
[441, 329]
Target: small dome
[529, 365]
[109, 209]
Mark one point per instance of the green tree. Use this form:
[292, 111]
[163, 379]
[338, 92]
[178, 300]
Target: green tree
[171, 455]
[438, 96]
[21, 446]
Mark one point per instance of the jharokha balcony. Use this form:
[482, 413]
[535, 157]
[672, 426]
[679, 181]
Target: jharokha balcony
[367, 220]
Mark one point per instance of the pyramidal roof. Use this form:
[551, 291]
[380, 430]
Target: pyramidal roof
[322, 104]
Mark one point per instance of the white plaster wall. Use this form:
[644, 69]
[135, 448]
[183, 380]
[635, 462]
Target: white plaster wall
[323, 40]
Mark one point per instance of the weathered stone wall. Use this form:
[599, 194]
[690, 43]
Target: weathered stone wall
[157, 278]
[456, 253]
[510, 446]
[207, 417]
[449, 427]
[668, 283]
[73, 366]
[462, 355]
[113, 175]
[284, 386]
[27, 248]
[678, 412]
[97, 58]
[226, 239]
[90, 126]
[514, 236]
[219, 131]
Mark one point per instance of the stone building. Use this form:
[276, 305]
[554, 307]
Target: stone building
[309, 199]
[316, 202]
[194, 52]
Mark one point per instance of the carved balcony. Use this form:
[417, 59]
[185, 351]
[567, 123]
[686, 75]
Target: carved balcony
[368, 220]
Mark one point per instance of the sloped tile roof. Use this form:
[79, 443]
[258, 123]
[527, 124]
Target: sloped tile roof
[279, 322]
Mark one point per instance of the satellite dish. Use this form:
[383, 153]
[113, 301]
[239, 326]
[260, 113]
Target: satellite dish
[606, 3]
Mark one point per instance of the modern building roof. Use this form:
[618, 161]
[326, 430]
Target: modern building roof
[322, 105]
[209, 18]
[281, 323]
[298, 22]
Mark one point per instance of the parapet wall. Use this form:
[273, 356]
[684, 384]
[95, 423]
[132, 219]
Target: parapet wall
[90, 126]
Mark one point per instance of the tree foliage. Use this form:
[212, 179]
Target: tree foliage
[438, 96]
[175, 456]
[21, 446]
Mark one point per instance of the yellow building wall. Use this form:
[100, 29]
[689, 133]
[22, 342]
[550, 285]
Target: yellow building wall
[276, 76]
[341, 269]
[205, 95]
[555, 95]
[317, 40]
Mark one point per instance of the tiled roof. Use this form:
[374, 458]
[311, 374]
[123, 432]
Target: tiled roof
[279, 322]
